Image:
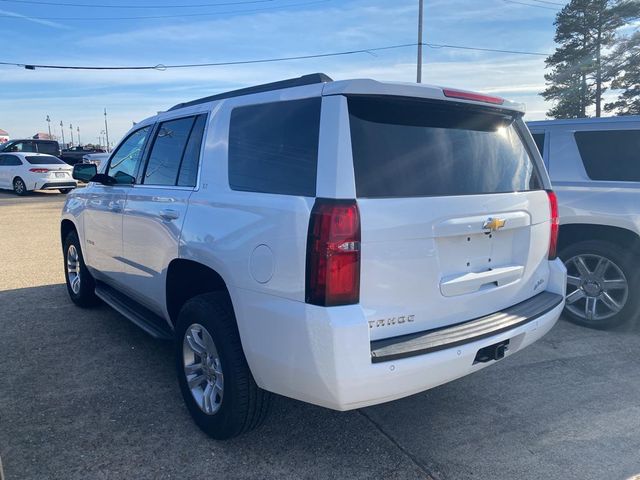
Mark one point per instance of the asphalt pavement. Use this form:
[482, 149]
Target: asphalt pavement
[85, 394]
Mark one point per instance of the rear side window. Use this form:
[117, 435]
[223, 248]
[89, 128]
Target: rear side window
[9, 161]
[50, 148]
[189, 168]
[166, 154]
[611, 155]
[539, 139]
[414, 148]
[273, 147]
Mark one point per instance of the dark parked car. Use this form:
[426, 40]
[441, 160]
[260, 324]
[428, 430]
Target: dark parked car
[74, 155]
[50, 147]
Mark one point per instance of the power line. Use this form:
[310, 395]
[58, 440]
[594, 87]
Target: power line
[530, 5]
[162, 67]
[145, 17]
[91, 5]
[550, 3]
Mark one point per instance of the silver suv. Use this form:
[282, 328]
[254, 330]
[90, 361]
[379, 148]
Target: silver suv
[342, 243]
[594, 165]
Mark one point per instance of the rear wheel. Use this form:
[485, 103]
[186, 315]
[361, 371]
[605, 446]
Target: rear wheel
[80, 284]
[19, 186]
[602, 284]
[65, 190]
[215, 380]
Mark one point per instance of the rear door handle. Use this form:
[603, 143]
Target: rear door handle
[169, 214]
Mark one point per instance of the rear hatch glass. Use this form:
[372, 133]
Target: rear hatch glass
[454, 216]
[411, 148]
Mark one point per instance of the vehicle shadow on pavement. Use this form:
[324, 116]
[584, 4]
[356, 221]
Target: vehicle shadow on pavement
[85, 393]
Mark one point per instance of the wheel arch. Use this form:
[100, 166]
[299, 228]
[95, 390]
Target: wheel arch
[576, 232]
[187, 279]
[66, 227]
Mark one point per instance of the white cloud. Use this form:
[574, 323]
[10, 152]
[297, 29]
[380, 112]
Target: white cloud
[40, 21]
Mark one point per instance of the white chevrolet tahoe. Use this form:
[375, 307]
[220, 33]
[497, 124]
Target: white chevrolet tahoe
[342, 243]
[594, 165]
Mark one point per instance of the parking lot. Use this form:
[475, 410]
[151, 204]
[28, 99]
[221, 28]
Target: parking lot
[86, 394]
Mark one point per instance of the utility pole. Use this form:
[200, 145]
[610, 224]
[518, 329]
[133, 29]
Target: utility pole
[106, 128]
[62, 131]
[79, 142]
[49, 127]
[420, 12]
[71, 128]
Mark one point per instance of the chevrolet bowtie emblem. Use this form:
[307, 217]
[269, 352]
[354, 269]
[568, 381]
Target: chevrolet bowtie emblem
[493, 224]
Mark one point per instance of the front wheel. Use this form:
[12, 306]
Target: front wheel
[216, 383]
[602, 284]
[80, 283]
[19, 187]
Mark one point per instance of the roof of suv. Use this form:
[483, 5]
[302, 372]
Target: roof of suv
[365, 86]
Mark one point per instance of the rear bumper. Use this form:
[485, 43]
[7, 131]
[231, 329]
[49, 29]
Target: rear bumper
[55, 185]
[323, 355]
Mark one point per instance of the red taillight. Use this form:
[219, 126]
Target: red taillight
[39, 170]
[333, 253]
[476, 97]
[555, 225]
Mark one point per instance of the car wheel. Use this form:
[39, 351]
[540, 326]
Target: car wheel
[19, 186]
[215, 380]
[64, 191]
[80, 283]
[602, 284]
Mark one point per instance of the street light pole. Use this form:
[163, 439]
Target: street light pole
[79, 142]
[71, 129]
[420, 14]
[62, 130]
[49, 126]
[106, 128]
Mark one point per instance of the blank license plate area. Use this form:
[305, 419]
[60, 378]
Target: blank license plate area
[59, 174]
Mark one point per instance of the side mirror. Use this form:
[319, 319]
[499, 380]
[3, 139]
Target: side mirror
[84, 171]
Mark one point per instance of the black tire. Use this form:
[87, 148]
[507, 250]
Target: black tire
[243, 405]
[19, 187]
[626, 260]
[64, 191]
[85, 295]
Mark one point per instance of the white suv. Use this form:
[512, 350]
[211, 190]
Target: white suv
[594, 164]
[342, 243]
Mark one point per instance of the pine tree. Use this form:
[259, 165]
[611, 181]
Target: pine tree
[579, 69]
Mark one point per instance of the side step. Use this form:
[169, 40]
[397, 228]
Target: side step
[141, 316]
[447, 337]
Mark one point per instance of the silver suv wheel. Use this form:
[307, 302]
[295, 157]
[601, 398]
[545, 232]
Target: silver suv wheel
[202, 368]
[73, 269]
[597, 288]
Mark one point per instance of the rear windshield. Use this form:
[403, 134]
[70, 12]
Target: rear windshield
[415, 148]
[43, 160]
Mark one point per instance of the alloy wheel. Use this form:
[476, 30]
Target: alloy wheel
[73, 269]
[202, 368]
[597, 288]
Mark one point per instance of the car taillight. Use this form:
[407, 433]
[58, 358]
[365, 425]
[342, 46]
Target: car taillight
[39, 170]
[476, 97]
[333, 253]
[555, 225]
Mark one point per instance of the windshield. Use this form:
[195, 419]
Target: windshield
[411, 148]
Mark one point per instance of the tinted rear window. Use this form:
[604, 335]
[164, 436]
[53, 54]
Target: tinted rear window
[43, 160]
[539, 139]
[273, 147]
[50, 148]
[413, 148]
[612, 155]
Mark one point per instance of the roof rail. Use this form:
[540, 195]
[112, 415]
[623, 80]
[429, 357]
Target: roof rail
[310, 79]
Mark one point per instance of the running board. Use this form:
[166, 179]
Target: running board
[466, 332]
[141, 316]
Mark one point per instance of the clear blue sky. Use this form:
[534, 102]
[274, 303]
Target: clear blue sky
[263, 29]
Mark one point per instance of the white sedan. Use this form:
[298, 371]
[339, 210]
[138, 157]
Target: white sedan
[25, 171]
